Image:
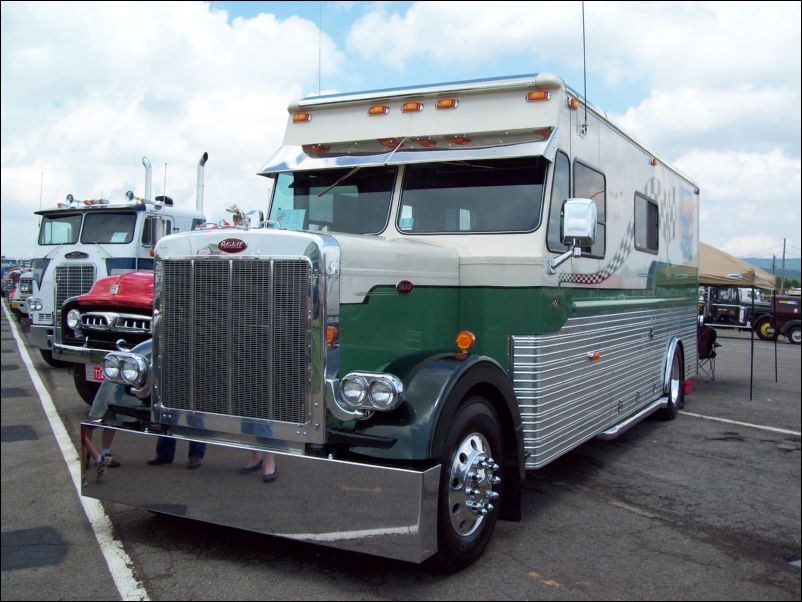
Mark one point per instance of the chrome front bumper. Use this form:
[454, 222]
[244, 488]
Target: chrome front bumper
[378, 510]
[79, 355]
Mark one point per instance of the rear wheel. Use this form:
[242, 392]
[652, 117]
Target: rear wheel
[86, 388]
[470, 492]
[764, 330]
[795, 335]
[676, 395]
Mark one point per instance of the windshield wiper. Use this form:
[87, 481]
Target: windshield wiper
[340, 180]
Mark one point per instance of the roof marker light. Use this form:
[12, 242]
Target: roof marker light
[447, 103]
[543, 133]
[378, 110]
[461, 140]
[653, 162]
[424, 142]
[316, 148]
[391, 143]
[301, 117]
[411, 107]
[573, 103]
[536, 95]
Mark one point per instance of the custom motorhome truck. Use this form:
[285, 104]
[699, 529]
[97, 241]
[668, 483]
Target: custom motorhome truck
[460, 283]
[81, 241]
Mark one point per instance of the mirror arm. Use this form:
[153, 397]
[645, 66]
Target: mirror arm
[556, 262]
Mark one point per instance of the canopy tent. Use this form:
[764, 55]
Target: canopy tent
[717, 268]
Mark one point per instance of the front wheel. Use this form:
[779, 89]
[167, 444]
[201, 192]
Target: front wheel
[470, 492]
[47, 355]
[795, 335]
[86, 388]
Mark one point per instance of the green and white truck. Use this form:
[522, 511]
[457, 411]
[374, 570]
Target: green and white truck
[458, 283]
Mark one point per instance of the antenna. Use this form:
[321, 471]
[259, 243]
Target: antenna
[584, 126]
[164, 190]
[319, 42]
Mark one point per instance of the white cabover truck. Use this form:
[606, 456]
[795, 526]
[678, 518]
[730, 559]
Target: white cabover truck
[467, 280]
[82, 241]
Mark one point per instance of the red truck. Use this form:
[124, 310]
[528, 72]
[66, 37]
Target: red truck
[114, 315]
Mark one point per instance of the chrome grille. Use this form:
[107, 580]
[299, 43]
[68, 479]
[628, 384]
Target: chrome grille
[95, 321]
[72, 280]
[234, 337]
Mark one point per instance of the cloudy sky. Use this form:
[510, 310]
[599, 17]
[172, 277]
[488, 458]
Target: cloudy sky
[88, 89]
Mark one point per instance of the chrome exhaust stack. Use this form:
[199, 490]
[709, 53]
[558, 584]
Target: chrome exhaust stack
[199, 198]
[148, 177]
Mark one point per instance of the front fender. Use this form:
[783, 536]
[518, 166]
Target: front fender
[115, 394]
[435, 386]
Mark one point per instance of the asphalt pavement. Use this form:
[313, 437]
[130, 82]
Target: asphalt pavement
[705, 507]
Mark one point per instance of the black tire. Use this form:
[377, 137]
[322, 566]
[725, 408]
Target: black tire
[795, 334]
[463, 533]
[86, 388]
[761, 330]
[47, 355]
[676, 393]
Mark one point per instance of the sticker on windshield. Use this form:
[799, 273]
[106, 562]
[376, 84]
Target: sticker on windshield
[290, 219]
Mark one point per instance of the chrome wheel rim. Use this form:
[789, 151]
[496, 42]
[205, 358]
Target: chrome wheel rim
[471, 481]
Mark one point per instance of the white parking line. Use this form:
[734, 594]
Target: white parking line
[754, 426]
[118, 560]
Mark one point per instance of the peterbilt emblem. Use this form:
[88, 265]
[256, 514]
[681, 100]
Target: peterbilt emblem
[76, 255]
[404, 287]
[232, 245]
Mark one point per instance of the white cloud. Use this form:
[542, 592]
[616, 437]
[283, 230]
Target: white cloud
[88, 89]
[749, 201]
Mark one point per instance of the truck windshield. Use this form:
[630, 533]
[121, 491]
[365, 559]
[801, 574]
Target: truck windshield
[60, 230]
[357, 204]
[473, 196]
[109, 228]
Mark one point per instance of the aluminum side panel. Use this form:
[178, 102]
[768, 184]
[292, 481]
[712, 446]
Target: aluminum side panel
[566, 398]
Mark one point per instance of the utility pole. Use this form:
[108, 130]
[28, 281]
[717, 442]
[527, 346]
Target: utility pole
[782, 278]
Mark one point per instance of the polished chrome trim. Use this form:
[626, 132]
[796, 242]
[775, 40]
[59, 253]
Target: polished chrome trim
[293, 158]
[380, 510]
[323, 255]
[624, 426]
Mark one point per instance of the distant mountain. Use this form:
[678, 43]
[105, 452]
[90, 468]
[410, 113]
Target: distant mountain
[793, 267]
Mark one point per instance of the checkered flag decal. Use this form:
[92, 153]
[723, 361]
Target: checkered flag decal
[624, 251]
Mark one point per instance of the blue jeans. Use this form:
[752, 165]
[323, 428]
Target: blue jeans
[165, 448]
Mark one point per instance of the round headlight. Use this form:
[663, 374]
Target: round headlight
[129, 368]
[35, 304]
[73, 318]
[111, 367]
[353, 389]
[382, 393]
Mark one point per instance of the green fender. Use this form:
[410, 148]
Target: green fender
[117, 394]
[434, 387]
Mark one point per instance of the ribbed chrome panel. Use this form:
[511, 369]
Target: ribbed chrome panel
[234, 337]
[566, 398]
[72, 280]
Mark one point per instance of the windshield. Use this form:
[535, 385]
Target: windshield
[334, 200]
[60, 230]
[109, 228]
[473, 196]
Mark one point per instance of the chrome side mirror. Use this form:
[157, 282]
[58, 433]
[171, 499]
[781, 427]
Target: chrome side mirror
[578, 230]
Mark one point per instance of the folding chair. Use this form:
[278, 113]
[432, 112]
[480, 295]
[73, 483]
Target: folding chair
[706, 343]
